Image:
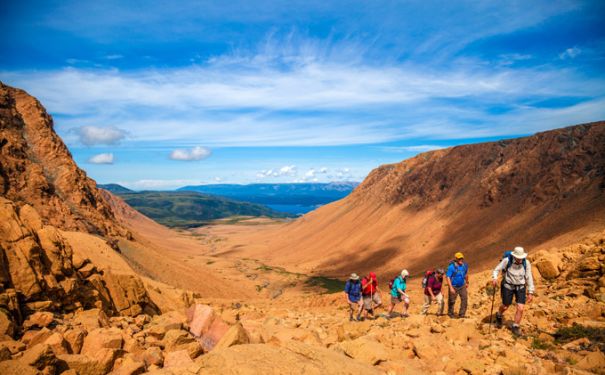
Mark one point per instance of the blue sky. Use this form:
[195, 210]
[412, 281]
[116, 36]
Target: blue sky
[156, 95]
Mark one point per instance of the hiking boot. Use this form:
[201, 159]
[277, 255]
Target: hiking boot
[351, 318]
[451, 316]
[498, 320]
[516, 330]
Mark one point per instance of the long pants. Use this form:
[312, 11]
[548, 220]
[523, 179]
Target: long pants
[451, 300]
[429, 299]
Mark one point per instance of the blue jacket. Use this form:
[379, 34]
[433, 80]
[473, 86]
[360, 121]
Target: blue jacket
[353, 290]
[457, 274]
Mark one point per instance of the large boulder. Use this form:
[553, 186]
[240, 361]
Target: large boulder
[179, 358]
[15, 367]
[548, 265]
[39, 319]
[99, 363]
[91, 319]
[294, 358]
[102, 338]
[206, 325]
[128, 294]
[236, 335]
[365, 350]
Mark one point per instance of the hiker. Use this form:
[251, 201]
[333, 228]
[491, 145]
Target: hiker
[517, 281]
[353, 293]
[432, 292]
[457, 281]
[398, 294]
[370, 294]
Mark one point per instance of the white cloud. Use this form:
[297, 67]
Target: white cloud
[114, 56]
[101, 159]
[159, 184]
[196, 153]
[92, 135]
[287, 170]
[570, 53]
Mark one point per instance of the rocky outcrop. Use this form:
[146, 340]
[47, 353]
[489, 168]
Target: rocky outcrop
[36, 168]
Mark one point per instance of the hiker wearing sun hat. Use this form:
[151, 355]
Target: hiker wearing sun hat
[398, 294]
[353, 294]
[457, 281]
[517, 281]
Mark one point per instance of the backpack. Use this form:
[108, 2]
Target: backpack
[392, 282]
[509, 254]
[425, 279]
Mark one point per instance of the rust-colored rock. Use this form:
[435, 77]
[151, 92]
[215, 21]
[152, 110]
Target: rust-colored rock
[102, 338]
[236, 335]
[206, 325]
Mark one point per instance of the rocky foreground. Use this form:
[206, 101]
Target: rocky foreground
[564, 332]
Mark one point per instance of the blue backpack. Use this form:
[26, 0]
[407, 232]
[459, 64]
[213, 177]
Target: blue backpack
[509, 254]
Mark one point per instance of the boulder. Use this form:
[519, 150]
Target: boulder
[179, 358]
[58, 344]
[15, 367]
[91, 319]
[169, 320]
[206, 325]
[175, 339]
[39, 319]
[236, 335]
[548, 265]
[30, 217]
[102, 338]
[153, 356]
[14, 346]
[35, 337]
[75, 339]
[128, 293]
[5, 353]
[593, 361]
[365, 350]
[129, 366]
[99, 363]
[7, 326]
[39, 356]
[295, 358]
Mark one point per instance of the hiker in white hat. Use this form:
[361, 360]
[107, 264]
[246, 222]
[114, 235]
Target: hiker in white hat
[398, 287]
[517, 281]
[353, 294]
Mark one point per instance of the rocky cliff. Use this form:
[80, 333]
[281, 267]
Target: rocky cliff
[36, 168]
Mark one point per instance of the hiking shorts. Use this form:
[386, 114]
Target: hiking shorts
[367, 301]
[507, 294]
[396, 300]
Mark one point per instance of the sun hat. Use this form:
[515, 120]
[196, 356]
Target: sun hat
[354, 276]
[405, 273]
[459, 256]
[440, 271]
[519, 253]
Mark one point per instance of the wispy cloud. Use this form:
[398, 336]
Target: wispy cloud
[286, 170]
[93, 135]
[570, 53]
[194, 154]
[106, 158]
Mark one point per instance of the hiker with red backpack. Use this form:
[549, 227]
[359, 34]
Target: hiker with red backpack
[370, 294]
[517, 281]
[432, 283]
[353, 294]
[457, 281]
[398, 286]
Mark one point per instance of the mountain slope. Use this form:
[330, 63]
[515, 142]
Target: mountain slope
[37, 168]
[190, 209]
[480, 199]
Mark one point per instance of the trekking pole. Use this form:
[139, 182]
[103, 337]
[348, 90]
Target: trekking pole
[491, 312]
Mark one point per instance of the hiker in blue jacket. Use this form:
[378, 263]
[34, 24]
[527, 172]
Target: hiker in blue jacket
[457, 280]
[353, 294]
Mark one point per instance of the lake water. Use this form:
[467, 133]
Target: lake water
[297, 209]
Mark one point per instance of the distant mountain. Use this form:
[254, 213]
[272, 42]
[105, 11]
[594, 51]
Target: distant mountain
[294, 198]
[115, 188]
[190, 209]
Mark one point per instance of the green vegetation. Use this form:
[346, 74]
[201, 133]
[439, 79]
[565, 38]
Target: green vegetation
[540, 344]
[191, 209]
[330, 285]
[577, 331]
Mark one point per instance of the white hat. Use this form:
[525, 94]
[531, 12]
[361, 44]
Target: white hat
[405, 273]
[519, 253]
[354, 276]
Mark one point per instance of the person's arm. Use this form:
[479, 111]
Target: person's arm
[450, 271]
[497, 270]
[529, 279]
[430, 285]
[466, 276]
[347, 290]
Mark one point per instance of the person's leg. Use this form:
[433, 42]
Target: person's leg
[359, 309]
[463, 301]
[507, 299]
[427, 304]
[440, 303]
[451, 301]
[519, 313]
[406, 305]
